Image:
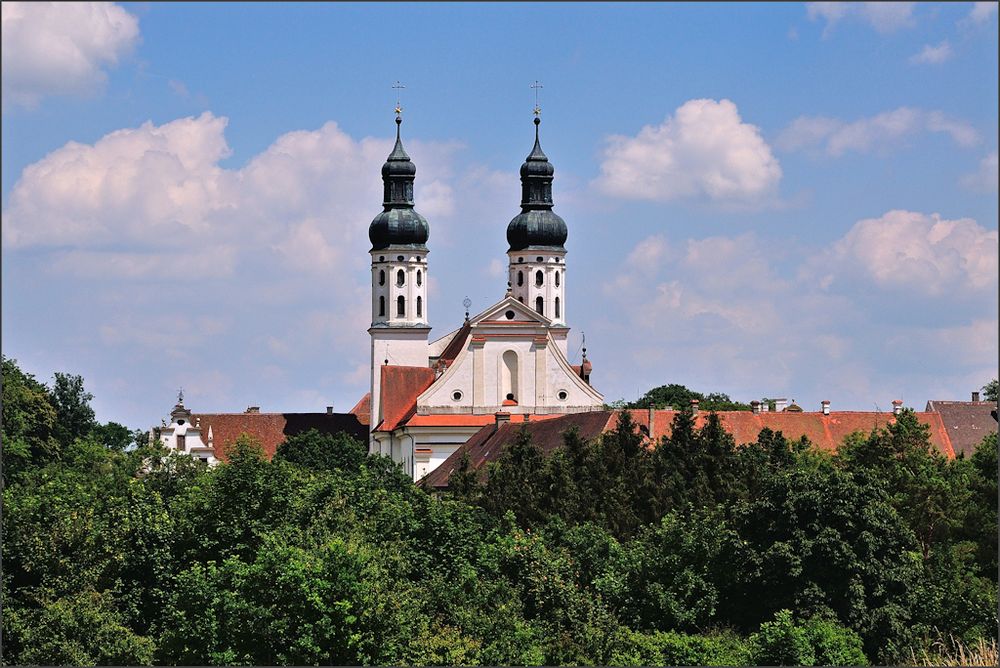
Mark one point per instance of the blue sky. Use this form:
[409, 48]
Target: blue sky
[791, 200]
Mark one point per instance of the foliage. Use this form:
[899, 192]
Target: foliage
[696, 551]
[991, 390]
[679, 397]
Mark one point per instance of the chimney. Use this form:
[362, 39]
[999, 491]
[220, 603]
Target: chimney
[502, 418]
[897, 406]
[825, 406]
[975, 396]
[253, 409]
[652, 422]
[755, 406]
[694, 406]
[329, 410]
[779, 404]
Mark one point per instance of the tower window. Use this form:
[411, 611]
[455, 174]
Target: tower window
[539, 277]
[381, 276]
[557, 307]
[557, 278]
[538, 259]
[399, 258]
[381, 258]
[381, 306]
[539, 305]
[420, 277]
[420, 307]
[520, 259]
[401, 306]
[400, 278]
[520, 278]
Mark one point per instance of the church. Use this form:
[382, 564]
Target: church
[429, 397]
[466, 394]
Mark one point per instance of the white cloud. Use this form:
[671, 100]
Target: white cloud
[884, 17]
[915, 252]
[875, 134]
[703, 150]
[985, 178]
[60, 48]
[154, 199]
[933, 55]
[982, 11]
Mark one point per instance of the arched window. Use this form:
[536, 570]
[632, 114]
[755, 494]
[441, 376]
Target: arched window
[381, 276]
[420, 307]
[400, 278]
[508, 376]
[381, 306]
[539, 305]
[401, 306]
[539, 277]
[557, 307]
[520, 278]
[557, 278]
[420, 277]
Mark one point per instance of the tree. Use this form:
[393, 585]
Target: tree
[323, 452]
[28, 421]
[991, 390]
[74, 416]
[679, 397]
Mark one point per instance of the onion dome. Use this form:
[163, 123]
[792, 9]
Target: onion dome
[536, 226]
[398, 224]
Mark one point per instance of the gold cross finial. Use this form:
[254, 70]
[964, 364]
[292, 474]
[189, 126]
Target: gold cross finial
[536, 86]
[398, 87]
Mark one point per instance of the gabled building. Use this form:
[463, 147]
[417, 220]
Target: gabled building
[428, 398]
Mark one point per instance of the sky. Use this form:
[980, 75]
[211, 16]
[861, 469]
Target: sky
[767, 200]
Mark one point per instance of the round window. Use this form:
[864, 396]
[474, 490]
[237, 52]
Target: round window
[180, 422]
[381, 258]
[456, 395]
[509, 315]
[538, 259]
[562, 395]
[399, 258]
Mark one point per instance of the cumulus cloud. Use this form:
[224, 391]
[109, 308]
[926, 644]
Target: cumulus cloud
[767, 325]
[985, 178]
[982, 12]
[153, 198]
[704, 150]
[884, 17]
[933, 55]
[916, 252]
[61, 48]
[875, 134]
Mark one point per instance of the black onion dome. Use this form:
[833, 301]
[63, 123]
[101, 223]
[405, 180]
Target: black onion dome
[398, 224]
[537, 226]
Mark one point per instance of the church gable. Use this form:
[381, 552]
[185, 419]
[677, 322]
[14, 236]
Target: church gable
[510, 312]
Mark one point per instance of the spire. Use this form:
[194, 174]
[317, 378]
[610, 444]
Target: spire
[398, 224]
[537, 225]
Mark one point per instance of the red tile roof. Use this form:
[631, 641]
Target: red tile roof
[401, 385]
[467, 420]
[271, 429]
[363, 409]
[966, 422]
[826, 432]
[456, 344]
[487, 444]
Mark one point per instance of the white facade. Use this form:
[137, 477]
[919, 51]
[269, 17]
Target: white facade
[184, 438]
[538, 280]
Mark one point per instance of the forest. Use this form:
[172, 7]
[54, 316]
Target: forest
[699, 551]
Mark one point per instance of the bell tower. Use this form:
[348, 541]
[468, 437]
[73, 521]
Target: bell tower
[537, 255]
[398, 236]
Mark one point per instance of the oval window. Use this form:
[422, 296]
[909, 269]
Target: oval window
[456, 395]
[562, 395]
[509, 315]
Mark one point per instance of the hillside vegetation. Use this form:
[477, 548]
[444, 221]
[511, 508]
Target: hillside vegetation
[695, 552]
